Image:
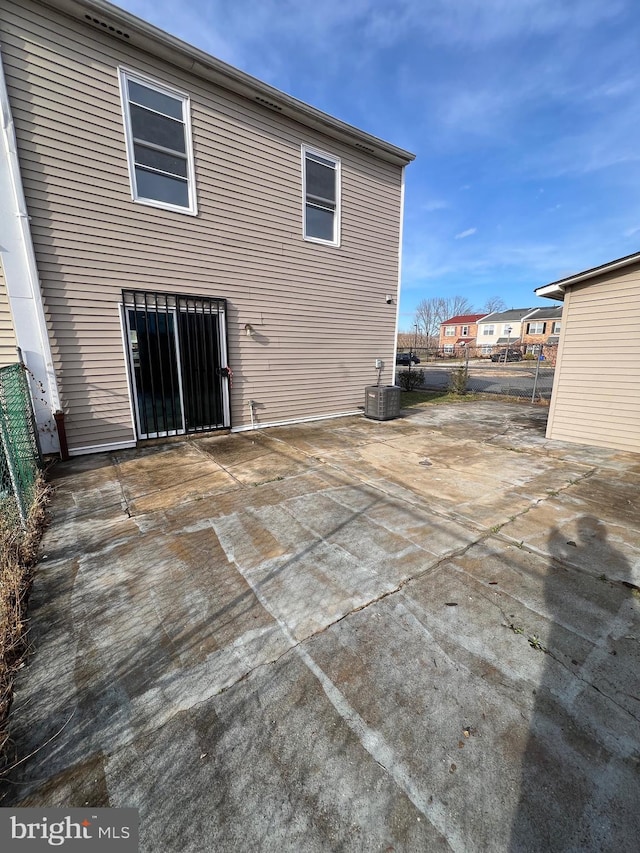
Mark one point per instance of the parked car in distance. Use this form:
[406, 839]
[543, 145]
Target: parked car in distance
[511, 355]
[407, 358]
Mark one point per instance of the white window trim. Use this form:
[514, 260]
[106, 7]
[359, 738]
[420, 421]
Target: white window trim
[489, 329]
[465, 332]
[557, 327]
[449, 331]
[306, 149]
[125, 74]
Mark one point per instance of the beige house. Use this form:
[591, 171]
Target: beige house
[185, 248]
[596, 390]
[8, 353]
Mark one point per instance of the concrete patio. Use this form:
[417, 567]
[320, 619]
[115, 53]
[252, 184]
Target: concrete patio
[420, 634]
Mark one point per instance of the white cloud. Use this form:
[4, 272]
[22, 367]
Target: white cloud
[431, 205]
[466, 233]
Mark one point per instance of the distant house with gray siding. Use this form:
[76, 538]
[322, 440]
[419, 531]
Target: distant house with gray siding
[500, 329]
[596, 389]
[184, 247]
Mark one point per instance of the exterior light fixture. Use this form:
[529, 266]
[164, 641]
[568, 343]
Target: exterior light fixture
[506, 352]
[249, 330]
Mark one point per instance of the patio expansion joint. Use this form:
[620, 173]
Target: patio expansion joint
[590, 684]
[504, 537]
[508, 623]
[124, 503]
[296, 643]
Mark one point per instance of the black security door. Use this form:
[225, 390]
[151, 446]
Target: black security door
[201, 368]
[177, 360]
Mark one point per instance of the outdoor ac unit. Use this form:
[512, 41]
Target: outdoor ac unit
[382, 402]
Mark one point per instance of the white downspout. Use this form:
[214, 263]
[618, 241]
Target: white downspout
[400, 238]
[22, 281]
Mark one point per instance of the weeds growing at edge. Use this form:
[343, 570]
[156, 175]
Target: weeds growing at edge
[18, 551]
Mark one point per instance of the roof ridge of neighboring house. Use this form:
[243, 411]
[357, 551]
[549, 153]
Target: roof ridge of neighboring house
[123, 26]
[461, 318]
[512, 311]
[543, 311]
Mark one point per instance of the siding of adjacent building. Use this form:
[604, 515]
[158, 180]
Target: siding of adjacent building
[8, 354]
[319, 312]
[596, 395]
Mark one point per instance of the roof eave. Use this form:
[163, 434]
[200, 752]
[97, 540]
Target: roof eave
[551, 291]
[585, 275]
[155, 41]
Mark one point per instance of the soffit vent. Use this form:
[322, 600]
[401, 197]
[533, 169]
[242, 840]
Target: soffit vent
[365, 148]
[266, 103]
[105, 26]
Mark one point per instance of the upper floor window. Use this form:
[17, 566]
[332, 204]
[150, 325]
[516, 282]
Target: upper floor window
[465, 331]
[535, 328]
[488, 329]
[556, 327]
[321, 194]
[449, 331]
[158, 134]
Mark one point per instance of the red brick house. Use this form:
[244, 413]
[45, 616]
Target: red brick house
[459, 332]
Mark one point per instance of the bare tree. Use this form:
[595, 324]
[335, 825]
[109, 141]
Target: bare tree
[427, 317]
[431, 312]
[494, 303]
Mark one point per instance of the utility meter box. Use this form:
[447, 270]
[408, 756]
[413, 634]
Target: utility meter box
[382, 402]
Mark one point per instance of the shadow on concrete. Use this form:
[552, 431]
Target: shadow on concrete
[580, 767]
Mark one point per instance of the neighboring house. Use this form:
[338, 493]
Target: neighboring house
[166, 217]
[499, 329]
[596, 389]
[8, 353]
[459, 332]
[541, 329]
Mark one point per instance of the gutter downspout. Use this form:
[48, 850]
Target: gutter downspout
[400, 238]
[22, 282]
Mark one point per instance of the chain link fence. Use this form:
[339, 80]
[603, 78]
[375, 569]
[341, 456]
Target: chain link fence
[523, 372]
[20, 459]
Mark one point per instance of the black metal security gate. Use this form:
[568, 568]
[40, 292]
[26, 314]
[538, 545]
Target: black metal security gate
[177, 355]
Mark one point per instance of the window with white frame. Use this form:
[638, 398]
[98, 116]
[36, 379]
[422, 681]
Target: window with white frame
[321, 195]
[507, 329]
[487, 349]
[488, 329]
[465, 331]
[449, 331]
[535, 328]
[159, 151]
[556, 327]
[449, 348]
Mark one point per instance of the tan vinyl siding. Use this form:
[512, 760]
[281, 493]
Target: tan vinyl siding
[596, 396]
[8, 353]
[319, 312]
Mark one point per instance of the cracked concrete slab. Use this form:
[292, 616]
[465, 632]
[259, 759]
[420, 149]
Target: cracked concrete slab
[418, 634]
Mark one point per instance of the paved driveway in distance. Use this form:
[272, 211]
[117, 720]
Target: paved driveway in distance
[413, 635]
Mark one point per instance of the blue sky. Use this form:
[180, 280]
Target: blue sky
[524, 116]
